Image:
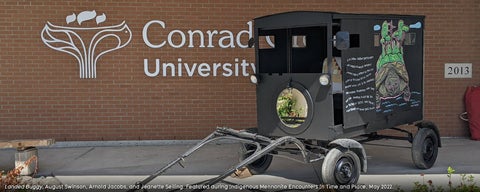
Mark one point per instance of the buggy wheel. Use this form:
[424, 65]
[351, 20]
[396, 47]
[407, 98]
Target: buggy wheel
[425, 148]
[260, 165]
[341, 167]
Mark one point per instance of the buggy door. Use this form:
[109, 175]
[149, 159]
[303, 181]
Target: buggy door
[358, 74]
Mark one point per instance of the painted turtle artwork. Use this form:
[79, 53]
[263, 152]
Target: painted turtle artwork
[392, 77]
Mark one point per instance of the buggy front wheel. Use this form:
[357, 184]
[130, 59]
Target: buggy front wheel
[341, 167]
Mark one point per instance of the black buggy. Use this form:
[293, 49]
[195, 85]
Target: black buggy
[323, 79]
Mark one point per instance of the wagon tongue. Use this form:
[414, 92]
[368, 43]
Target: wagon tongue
[264, 146]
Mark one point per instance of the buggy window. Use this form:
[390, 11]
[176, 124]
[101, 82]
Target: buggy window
[299, 41]
[292, 50]
[266, 42]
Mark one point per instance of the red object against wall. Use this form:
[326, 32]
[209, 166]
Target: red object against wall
[472, 105]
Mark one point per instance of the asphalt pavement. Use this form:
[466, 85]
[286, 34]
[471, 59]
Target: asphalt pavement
[122, 163]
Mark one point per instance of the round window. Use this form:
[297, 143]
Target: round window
[292, 107]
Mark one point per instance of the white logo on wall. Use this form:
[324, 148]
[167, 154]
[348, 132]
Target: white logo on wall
[68, 40]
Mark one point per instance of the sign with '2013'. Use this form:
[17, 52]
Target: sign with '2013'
[458, 70]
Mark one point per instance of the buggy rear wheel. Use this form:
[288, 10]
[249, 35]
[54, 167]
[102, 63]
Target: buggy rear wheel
[425, 148]
[341, 167]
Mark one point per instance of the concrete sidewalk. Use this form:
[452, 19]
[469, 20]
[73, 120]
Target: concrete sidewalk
[124, 163]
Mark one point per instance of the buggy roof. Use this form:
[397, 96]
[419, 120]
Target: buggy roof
[315, 18]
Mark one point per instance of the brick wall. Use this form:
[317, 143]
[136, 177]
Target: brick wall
[42, 96]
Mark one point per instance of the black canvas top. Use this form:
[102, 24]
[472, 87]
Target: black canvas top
[315, 18]
[293, 19]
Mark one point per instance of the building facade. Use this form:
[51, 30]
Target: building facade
[170, 69]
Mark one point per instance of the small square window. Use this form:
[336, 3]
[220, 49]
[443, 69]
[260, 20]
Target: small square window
[354, 40]
[410, 39]
[376, 40]
[299, 41]
[266, 42]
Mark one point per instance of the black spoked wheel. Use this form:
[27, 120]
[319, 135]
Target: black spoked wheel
[425, 148]
[341, 167]
[260, 165]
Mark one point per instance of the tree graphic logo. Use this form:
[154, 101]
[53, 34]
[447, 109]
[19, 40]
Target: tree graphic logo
[103, 39]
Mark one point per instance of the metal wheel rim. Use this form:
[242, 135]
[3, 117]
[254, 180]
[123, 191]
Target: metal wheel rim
[428, 149]
[345, 170]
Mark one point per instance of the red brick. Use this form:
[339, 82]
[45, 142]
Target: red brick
[41, 94]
